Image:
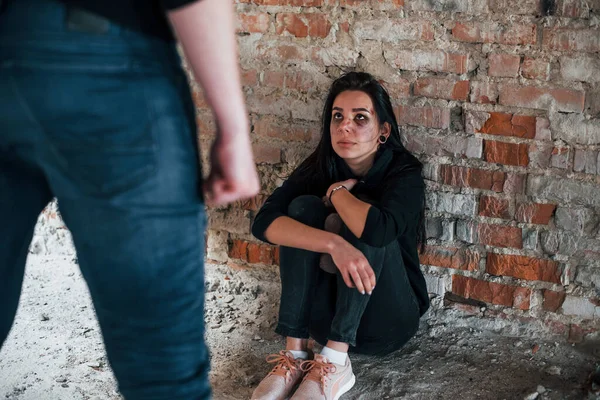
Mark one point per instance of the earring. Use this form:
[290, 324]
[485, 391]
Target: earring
[382, 139]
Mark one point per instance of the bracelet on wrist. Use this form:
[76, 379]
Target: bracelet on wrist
[335, 189]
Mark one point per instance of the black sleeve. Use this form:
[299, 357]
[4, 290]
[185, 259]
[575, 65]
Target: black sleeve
[399, 208]
[169, 5]
[277, 204]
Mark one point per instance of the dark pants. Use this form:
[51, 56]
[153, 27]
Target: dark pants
[105, 123]
[320, 304]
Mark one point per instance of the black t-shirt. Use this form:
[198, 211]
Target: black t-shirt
[147, 16]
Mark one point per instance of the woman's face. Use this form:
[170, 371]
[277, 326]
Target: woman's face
[354, 127]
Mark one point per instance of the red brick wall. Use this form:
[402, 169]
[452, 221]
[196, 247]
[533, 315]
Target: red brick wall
[502, 104]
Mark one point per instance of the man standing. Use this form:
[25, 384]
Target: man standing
[95, 110]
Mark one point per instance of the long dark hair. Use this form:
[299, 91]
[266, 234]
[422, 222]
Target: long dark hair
[321, 166]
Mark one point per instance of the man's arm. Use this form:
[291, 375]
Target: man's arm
[206, 31]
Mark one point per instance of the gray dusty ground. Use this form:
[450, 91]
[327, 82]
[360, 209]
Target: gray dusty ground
[55, 350]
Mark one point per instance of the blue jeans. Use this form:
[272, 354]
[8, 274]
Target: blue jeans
[102, 119]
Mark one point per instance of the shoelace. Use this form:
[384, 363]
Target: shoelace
[284, 364]
[318, 371]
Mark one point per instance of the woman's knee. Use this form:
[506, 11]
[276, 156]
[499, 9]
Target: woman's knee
[308, 209]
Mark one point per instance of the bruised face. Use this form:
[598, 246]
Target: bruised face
[355, 128]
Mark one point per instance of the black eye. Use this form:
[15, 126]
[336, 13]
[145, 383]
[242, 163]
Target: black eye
[337, 115]
[360, 117]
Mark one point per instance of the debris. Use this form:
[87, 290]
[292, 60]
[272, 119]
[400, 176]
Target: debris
[554, 370]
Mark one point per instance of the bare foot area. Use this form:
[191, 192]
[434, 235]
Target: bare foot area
[55, 350]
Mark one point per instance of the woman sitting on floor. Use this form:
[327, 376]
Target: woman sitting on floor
[349, 221]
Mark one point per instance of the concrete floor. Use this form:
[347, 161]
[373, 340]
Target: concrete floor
[55, 351]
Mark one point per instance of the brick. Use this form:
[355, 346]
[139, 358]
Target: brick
[530, 239]
[466, 231]
[448, 230]
[568, 39]
[504, 65]
[522, 267]
[438, 284]
[514, 183]
[492, 32]
[380, 4]
[515, 7]
[273, 78]
[294, 130]
[397, 88]
[587, 275]
[266, 154]
[500, 236]
[271, 51]
[430, 117]
[560, 157]
[293, 3]
[253, 23]
[586, 161]
[592, 101]
[472, 177]
[251, 204]
[533, 68]
[484, 92]
[260, 254]
[573, 8]
[579, 306]
[502, 124]
[490, 292]
[494, 207]
[567, 100]
[535, 213]
[239, 250]
[433, 227]
[552, 300]
[452, 203]
[576, 334]
[540, 155]
[301, 81]
[459, 146]
[505, 153]
[440, 88]
[450, 257]
[555, 242]
[393, 30]
[583, 68]
[436, 60]
[575, 128]
[463, 6]
[335, 56]
[249, 77]
[578, 220]
[303, 25]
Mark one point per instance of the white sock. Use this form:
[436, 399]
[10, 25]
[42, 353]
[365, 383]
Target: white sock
[299, 354]
[336, 357]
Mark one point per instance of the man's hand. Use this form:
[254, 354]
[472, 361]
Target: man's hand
[232, 171]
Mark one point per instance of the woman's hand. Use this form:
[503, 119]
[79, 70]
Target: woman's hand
[354, 267]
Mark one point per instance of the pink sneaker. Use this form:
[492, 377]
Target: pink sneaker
[324, 380]
[283, 378]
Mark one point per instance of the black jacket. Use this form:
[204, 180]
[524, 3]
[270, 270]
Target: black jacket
[395, 188]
